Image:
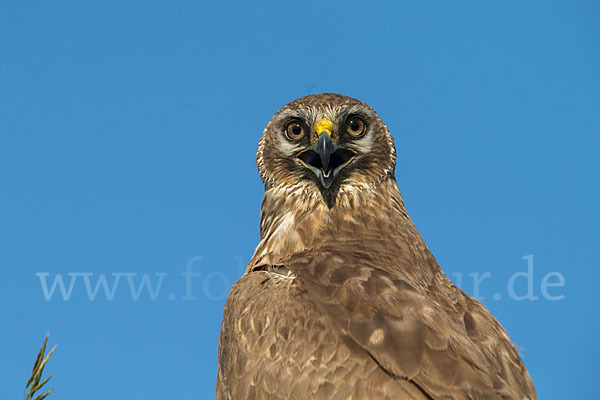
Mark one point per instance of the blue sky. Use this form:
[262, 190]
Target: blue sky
[128, 133]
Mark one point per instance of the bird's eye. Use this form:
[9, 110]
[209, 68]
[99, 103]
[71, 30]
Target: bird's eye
[356, 127]
[294, 131]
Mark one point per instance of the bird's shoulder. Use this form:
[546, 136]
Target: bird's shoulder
[432, 334]
[275, 344]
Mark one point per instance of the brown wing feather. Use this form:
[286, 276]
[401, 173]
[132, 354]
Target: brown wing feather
[437, 337]
[275, 344]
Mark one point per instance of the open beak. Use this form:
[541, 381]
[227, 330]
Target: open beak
[326, 159]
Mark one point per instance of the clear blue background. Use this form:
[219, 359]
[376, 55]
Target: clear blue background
[128, 132]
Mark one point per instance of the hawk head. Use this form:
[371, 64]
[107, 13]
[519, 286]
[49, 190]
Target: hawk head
[325, 143]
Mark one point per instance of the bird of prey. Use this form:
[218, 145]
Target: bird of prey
[342, 298]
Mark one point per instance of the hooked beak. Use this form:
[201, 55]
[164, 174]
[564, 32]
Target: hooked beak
[326, 159]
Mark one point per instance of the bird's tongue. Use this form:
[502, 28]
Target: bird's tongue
[326, 177]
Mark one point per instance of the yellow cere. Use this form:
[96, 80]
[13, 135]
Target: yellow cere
[324, 125]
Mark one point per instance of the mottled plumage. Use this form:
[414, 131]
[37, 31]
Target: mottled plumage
[342, 298]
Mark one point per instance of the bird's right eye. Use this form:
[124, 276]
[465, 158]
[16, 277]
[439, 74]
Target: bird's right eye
[294, 131]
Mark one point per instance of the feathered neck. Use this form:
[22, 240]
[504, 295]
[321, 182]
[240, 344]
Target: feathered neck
[295, 219]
